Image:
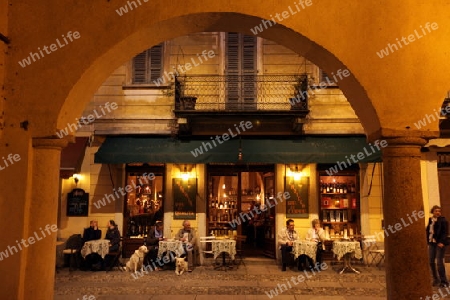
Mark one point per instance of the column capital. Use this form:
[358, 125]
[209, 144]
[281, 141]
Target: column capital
[406, 141]
[386, 133]
[50, 143]
[403, 147]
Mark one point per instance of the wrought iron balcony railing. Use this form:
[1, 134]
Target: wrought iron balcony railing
[209, 93]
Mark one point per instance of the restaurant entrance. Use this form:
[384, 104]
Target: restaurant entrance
[237, 197]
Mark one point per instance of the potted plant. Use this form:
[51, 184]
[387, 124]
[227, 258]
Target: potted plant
[300, 99]
[181, 101]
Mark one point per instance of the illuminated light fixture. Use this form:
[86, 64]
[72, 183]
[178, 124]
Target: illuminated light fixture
[76, 179]
[240, 155]
[185, 174]
[296, 172]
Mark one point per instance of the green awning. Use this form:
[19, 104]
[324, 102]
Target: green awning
[312, 149]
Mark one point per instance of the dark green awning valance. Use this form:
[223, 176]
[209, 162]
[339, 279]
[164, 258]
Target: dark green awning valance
[130, 149]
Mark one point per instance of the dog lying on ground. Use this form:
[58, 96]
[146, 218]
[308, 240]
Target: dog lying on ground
[180, 265]
[136, 261]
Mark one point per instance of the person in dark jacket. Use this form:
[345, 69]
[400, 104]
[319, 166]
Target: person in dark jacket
[92, 232]
[155, 235]
[437, 231]
[113, 235]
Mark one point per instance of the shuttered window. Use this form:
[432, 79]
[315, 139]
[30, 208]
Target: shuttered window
[241, 71]
[148, 65]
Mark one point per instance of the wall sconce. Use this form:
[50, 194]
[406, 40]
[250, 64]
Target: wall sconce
[185, 172]
[76, 178]
[296, 171]
[240, 155]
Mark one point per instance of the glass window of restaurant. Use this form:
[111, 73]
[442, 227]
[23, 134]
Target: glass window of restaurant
[143, 203]
[339, 204]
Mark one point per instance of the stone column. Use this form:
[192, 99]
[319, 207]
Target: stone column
[407, 267]
[39, 258]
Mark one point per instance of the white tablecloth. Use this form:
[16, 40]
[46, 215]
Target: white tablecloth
[173, 246]
[227, 246]
[308, 248]
[97, 246]
[340, 248]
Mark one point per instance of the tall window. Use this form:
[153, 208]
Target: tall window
[241, 71]
[148, 65]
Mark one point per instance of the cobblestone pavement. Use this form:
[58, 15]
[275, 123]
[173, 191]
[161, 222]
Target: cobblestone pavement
[252, 280]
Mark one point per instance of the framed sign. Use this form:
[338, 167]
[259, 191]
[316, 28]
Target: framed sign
[77, 203]
[184, 198]
[297, 205]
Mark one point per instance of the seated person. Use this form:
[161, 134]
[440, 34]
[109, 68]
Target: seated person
[316, 234]
[92, 232]
[286, 238]
[152, 242]
[187, 235]
[113, 235]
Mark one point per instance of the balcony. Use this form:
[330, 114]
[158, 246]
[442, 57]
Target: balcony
[278, 103]
[241, 93]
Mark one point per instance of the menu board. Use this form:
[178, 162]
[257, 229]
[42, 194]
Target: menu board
[77, 203]
[297, 204]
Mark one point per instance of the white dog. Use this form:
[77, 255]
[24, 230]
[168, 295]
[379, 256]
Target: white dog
[180, 265]
[136, 261]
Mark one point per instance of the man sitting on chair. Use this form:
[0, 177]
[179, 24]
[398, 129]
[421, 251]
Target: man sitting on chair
[286, 238]
[154, 237]
[187, 235]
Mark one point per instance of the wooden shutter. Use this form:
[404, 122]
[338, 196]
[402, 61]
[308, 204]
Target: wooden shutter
[156, 59]
[232, 70]
[240, 71]
[140, 68]
[148, 65]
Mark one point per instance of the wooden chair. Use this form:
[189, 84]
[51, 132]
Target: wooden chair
[115, 259]
[240, 239]
[73, 248]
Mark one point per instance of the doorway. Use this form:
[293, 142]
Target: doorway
[237, 205]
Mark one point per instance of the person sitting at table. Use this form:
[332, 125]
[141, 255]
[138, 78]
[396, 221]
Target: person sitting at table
[286, 238]
[188, 237]
[113, 235]
[316, 234]
[152, 242]
[92, 232]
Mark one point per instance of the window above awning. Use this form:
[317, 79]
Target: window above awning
[131, 149]
[72, 157]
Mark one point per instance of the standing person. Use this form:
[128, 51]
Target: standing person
[316, 234]
[187, 235]
[154, 237]
[92, 232]
[437, 231]
[286, 238]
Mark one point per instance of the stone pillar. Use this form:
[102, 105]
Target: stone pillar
[41, 219]
[407, 268]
